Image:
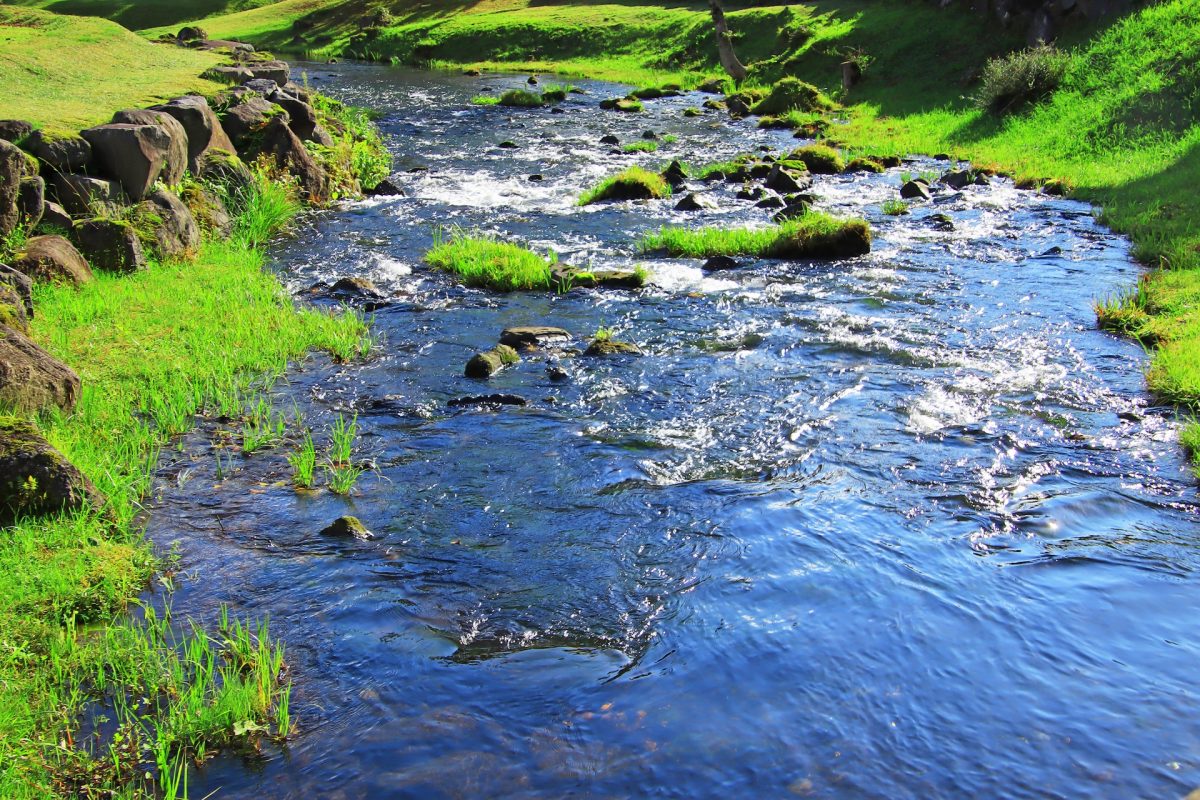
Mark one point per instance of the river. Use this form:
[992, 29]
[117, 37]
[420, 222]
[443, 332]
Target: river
[905, 526]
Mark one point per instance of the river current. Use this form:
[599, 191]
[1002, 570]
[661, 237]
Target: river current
[903, 526]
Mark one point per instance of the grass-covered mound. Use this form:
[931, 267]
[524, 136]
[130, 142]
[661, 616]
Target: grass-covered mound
[487, 263]
[68, 73]
[819, 159]
[519, 98]
[814, 235]
[792, 94]
[633, 183]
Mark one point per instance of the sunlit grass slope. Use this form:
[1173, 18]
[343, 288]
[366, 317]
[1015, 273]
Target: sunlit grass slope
[67, 73]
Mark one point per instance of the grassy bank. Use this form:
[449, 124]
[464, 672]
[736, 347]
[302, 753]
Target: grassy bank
[154, 350]
[57, 72]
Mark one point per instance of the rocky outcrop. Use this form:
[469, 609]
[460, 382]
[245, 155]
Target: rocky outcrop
[31, 201]
[14, 130]
[486, 364]
[12, 170]
[109, 245]
[83, 195]
[177, 154]
[32, 380]
[177, 233]
[200, 123]
[53, 259]
[36, 479]
[134, 155]
[60, 153]
[288, 152]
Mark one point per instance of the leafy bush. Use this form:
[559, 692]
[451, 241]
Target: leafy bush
[1016, 79]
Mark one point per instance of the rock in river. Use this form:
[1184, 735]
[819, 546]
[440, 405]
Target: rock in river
[533, 336]
[347, 527]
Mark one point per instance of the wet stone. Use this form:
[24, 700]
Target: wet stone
[494, 400]
[533, 336]
[347, 527]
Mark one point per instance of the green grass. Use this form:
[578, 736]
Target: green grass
[487, 263]
[792, 95]
[814, 235]
[58, 72]
[485, 100]
[645, 146]
[634, 183]
[556, 93]
[304, 462]
[819, 159]
[895, 208]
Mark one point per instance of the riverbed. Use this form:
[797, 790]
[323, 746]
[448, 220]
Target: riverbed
[901, 526]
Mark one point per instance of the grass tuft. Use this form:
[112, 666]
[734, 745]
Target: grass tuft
[814, 235]
[519, 98]
[634, 183]
[484, 262]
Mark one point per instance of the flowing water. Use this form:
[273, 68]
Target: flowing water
[903, 526]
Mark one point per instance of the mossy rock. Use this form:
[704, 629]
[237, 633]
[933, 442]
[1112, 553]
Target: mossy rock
[519, 98]
[611, 347]
[864, 165]
[849, 239]
[36, 479]
[32, 380]
[486, 364]
[792, 94]
[347, 526]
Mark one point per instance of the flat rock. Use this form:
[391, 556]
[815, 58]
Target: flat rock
[610, 347]
[487, 400]
[533, 336]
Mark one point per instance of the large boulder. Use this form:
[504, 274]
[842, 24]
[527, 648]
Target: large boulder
[31, 201]
[177, 233]
[201, 125]
[132, 154]
[32, 380]
[289, 153]
[52, 259]
[244, 121]
[14, 130]
[83, 195]
[109, 245]
[36, 479]
[177, 154]
[60, 153]
[21, 287]
[209, 210]
[227, 171]
[12, 170]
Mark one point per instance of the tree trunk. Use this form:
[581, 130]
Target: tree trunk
[729, 59]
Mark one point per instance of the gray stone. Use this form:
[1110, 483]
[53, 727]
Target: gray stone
[132, 154]
[37, 480]
[177, 234]
[278, 71]
[177, 155]
[60, 153]
[289, 153]
[915, 190]
[248, 119]
[52, 259]
[32, 380]
[695, 202]
[532, 336]
[200, 123]
[109, 245]
[82, 195]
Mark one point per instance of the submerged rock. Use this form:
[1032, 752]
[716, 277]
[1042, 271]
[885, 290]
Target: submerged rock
[532, 336]
[36, 479]
[347, 527]
[957, 179]
[487, 400]
[608, 138]
[385, 188]
[717, 263]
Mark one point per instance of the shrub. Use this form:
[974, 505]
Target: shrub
[1016, 79]
[819, 159]
[634, 183]
[790, 94]
[484, 262]
[814, 235]
[519, 98]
